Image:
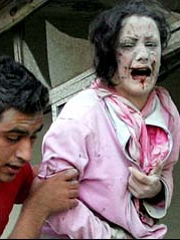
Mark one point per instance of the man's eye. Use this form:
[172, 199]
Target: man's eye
[13, 139]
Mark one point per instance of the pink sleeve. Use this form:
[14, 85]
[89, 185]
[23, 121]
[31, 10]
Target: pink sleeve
[67, 144]
[77, 223]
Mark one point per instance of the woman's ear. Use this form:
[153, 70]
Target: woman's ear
[116, 79]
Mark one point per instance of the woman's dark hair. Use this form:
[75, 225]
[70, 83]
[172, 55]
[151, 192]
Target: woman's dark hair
[20, 89]
[104, 32]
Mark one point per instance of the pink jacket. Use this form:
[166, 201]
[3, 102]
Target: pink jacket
[83, 137]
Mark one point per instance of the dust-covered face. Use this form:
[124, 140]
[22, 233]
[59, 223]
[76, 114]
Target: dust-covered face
[138, 56]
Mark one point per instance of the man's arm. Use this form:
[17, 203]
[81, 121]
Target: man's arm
[57, 193]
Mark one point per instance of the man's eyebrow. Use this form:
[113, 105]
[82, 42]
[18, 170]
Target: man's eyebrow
[18, 130]
[24, 132]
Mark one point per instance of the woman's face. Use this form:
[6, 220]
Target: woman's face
[138, 57]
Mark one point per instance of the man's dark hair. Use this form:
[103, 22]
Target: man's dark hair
[105, 28]
[20, 89]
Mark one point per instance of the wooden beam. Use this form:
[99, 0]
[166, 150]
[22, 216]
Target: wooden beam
[8, 20]
[175, 26]
[18, 44]
[174, 42]
[62, 93]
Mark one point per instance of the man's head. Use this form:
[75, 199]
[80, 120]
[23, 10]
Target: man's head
[23, 99]
[20, 89]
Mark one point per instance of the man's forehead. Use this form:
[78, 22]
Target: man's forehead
[13, 120]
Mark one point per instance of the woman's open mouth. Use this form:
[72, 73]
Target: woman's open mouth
[140, 73]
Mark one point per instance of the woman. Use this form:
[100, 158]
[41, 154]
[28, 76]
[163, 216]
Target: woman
[122, 133]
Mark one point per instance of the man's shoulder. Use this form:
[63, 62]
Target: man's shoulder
[11, 193]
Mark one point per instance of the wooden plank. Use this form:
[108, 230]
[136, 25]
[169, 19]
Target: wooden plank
[7, 20]
[174, 42]
[18, 44]
[175, 26]
[62, 92]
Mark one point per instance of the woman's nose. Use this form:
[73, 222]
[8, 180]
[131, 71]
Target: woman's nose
[142, 54]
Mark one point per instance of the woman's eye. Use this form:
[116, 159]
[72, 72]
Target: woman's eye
[127, 45]
[151, 44]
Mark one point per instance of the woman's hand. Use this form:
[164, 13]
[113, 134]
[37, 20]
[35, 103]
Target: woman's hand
[145, 186]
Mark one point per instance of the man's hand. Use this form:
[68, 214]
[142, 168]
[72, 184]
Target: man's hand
[145, 186]
[57, 193]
